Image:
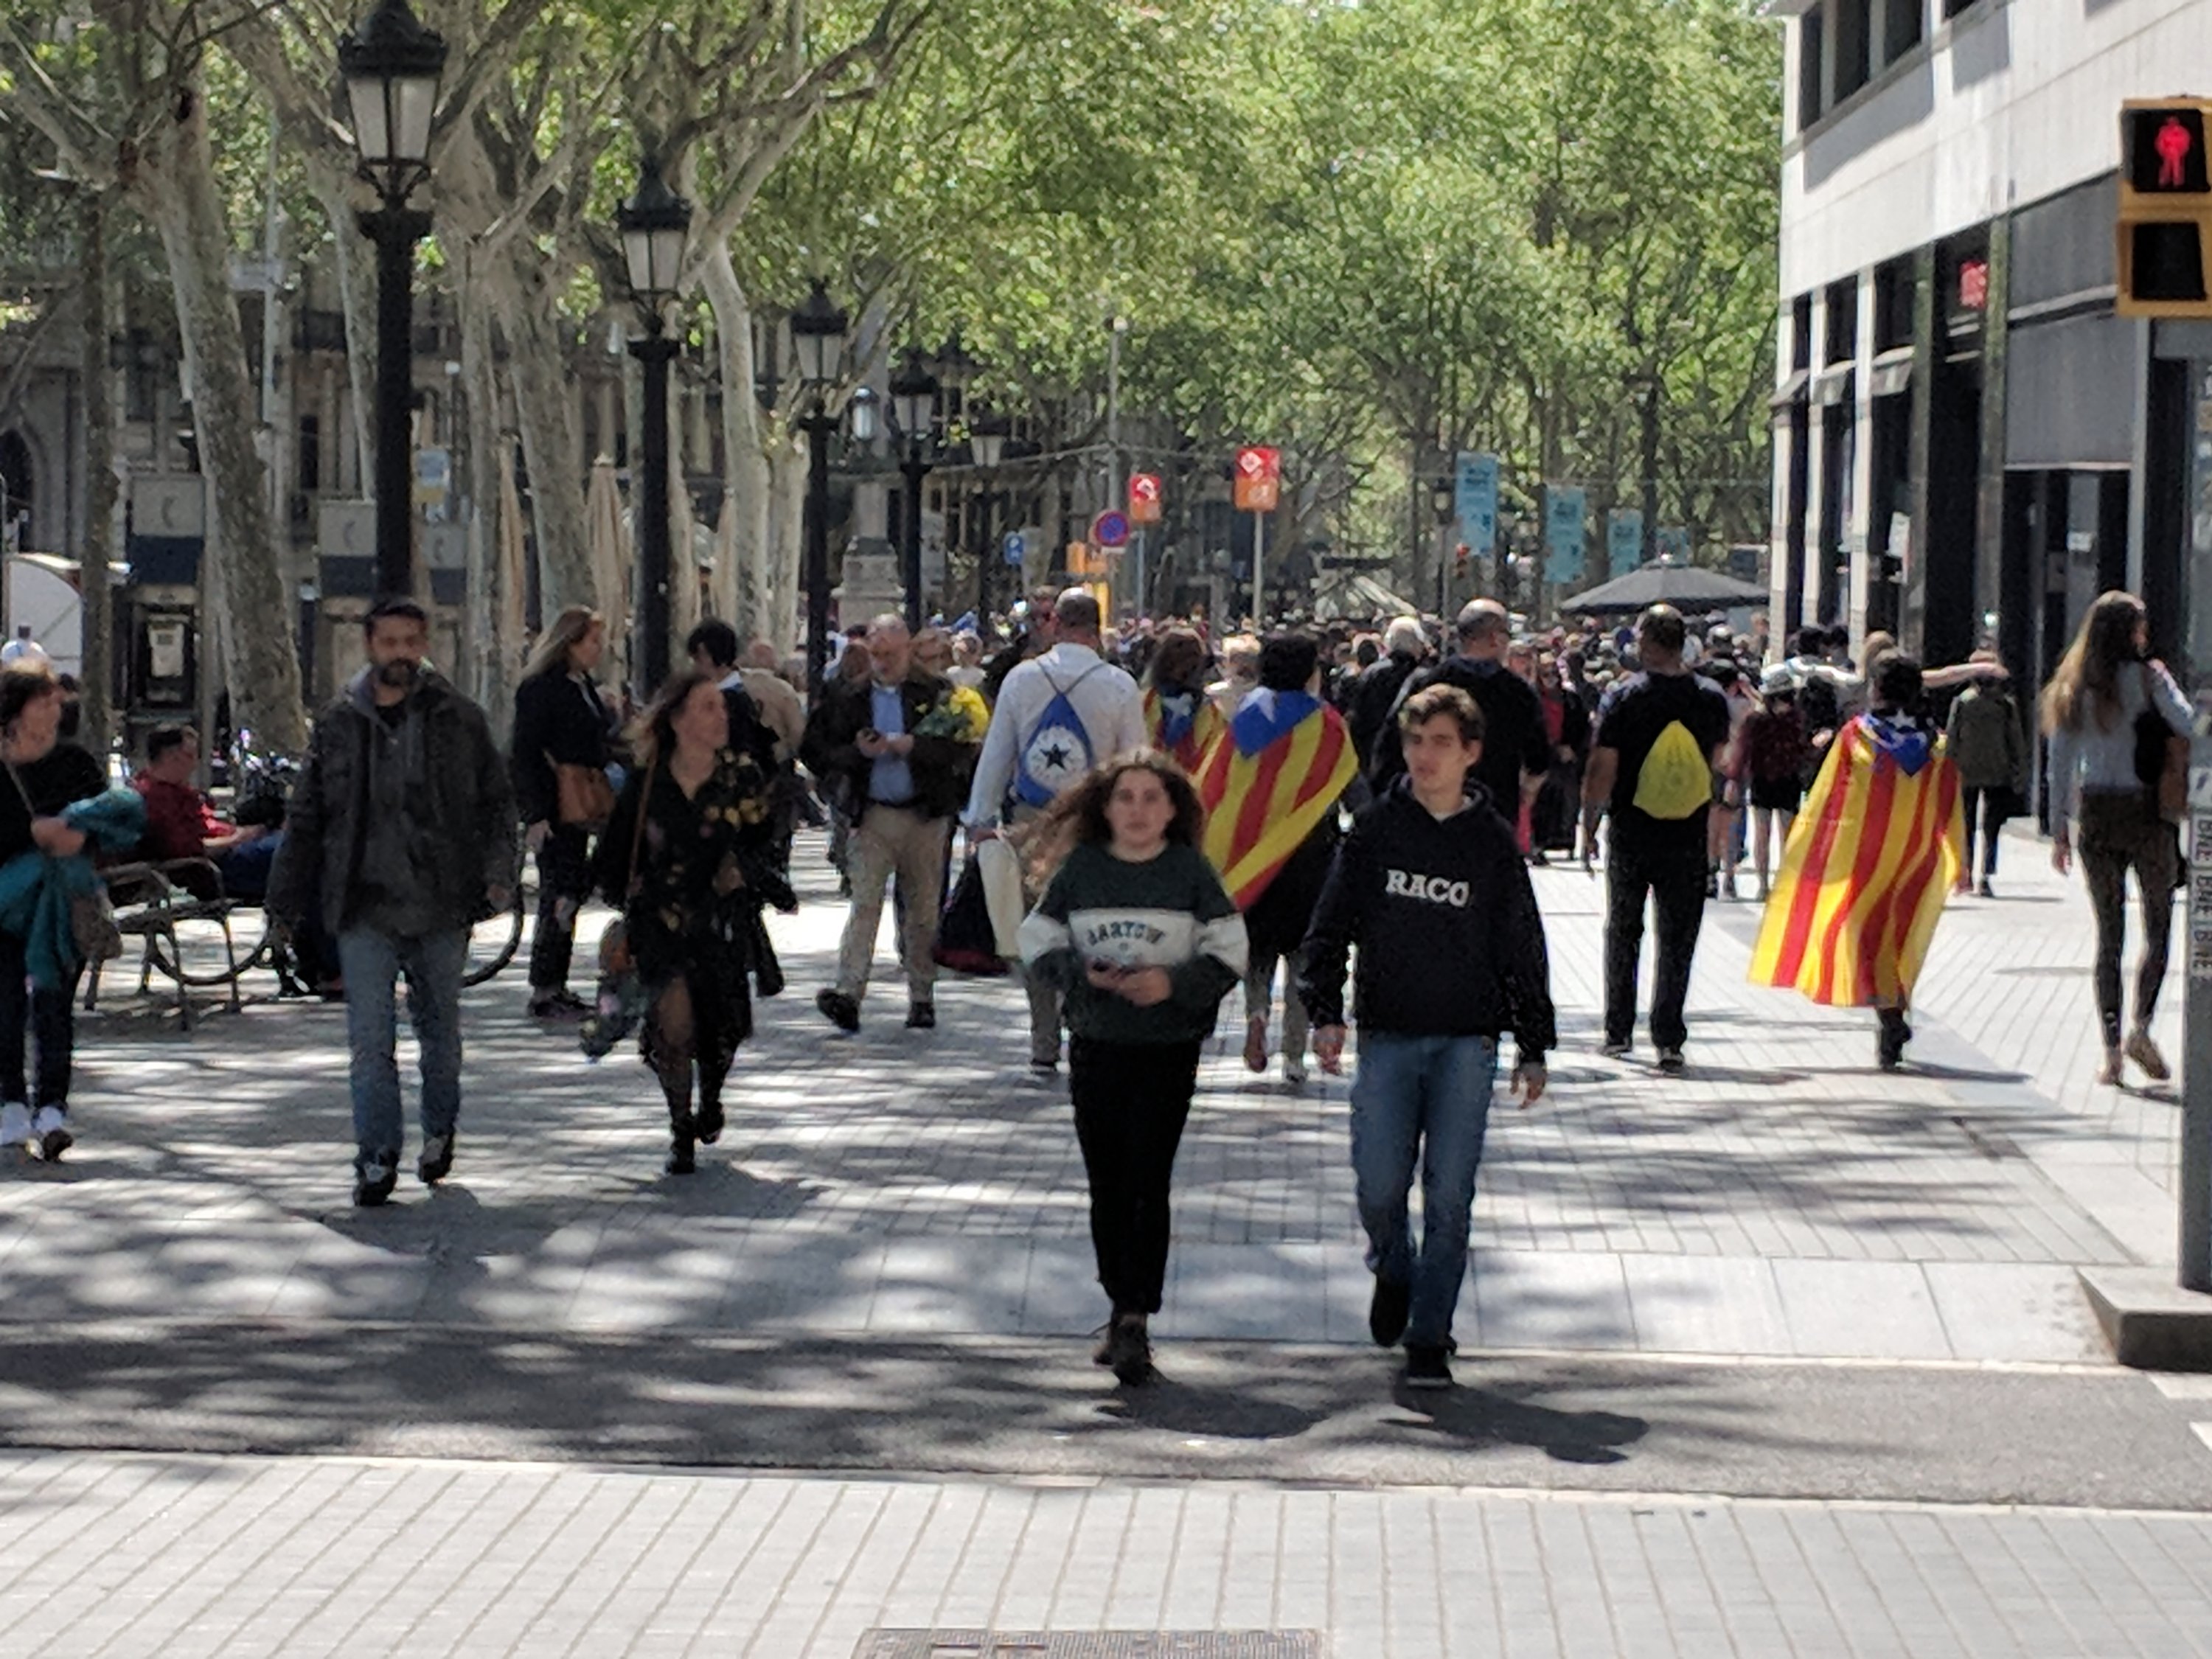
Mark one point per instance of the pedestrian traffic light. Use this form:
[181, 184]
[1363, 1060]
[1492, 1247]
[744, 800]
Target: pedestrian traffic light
[2166, 208]
[1459, 556]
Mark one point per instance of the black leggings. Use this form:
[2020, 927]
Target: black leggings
[1989, 805]
[1131, 1102]
[564, 876]
[2119, 832]
[49, 1016]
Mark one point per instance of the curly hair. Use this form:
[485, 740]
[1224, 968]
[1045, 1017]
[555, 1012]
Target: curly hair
[1079, 814]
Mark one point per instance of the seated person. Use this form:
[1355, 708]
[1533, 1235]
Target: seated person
[181, 824]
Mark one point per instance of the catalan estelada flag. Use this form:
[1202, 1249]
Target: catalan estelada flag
[1184, 725]
[1869, 862]
[1278, 764]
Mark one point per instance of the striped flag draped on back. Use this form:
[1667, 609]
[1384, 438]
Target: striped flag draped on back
[1869, 862]
[1285, 758]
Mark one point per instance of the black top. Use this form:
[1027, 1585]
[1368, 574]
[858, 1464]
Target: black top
[558, 718]
[1513, 739]
[64, 774]
[1371, 696]
[1450, 941]
[1630, 719]
[702, 867]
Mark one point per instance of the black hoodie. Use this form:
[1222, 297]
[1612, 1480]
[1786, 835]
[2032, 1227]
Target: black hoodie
[1450, 941]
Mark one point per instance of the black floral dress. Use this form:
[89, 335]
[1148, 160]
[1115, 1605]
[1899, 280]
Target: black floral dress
[689, 901]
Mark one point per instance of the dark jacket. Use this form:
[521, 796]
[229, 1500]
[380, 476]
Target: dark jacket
[468, 817]
[943, 767]
[1374, 695]
[1513, 739]
[557, 719]
[1450, 941]
[1987, 741]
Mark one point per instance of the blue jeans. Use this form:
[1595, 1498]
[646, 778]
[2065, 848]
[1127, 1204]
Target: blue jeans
[1422, 1100]
[433, 964]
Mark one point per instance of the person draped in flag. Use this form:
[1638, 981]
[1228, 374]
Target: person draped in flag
[1870, 861]
[1182, 719]
[1271, 783]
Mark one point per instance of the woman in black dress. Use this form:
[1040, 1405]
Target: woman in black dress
[561, 725]
[687, 856]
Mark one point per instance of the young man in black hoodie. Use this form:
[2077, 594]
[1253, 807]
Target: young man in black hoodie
[1431, 875]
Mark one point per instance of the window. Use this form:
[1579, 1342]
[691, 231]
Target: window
[1854, 45]
[1953, 8]
[1893, 305]
[1811, 49]
[1801, 331]
[1900, 28]
[1843, 337]
[311, 453]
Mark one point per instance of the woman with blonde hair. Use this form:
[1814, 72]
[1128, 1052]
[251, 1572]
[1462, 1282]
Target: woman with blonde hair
[559, 762]
[2109, 712]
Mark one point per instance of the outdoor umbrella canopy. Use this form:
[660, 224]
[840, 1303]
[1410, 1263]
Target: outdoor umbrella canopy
[607, 539]
[1685, 586]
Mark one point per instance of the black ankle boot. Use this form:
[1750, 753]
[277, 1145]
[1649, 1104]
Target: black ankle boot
[706, 1122]
[680, 1160]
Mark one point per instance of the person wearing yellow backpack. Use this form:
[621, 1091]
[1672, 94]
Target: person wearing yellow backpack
[1660, 733]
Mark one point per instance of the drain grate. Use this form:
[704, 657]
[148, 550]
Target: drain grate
[1090, 1644]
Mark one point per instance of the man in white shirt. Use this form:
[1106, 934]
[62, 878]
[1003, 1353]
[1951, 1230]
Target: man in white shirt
[1058, 715]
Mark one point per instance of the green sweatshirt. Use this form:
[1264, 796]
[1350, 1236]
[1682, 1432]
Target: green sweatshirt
[1169, 912]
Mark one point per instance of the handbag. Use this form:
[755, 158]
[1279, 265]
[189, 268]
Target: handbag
[583, 799]
[967, 942]
[2162, 759]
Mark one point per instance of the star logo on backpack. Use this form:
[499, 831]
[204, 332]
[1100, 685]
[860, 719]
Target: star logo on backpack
[1057, 751]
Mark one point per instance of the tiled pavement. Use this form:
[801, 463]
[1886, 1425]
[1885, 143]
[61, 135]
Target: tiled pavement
[123, 1555]
[1784, 1199]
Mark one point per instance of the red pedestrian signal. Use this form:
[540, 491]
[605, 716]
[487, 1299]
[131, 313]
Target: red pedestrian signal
[2165, 230]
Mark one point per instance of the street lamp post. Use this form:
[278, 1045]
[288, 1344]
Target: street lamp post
[392, 66]
[914, 406]
[986, 447]
[1441, 501]
[655, 224]
[818, 339]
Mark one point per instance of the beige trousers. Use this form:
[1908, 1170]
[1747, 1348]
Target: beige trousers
[894, 840]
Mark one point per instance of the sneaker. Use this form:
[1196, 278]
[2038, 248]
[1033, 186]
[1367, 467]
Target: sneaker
[921, 1017]
[1101, 1352]
[373, 1184]
[436, 1162]
[1985, 889]
[563, 1004]
[2142, 1050]
[1428, 1368]
[1712, 883]
[1889, 1044]
[1043, 1067]
[706, 1122]
[15, 1124]
[1615, 1047]
[1129, 1350]
[681, 1158]
[1387, 1310]
[50, 1127]
[1256, 1044]
[1294, 1068]
[839, 1010]
[1671, 1062]
[1728, 884]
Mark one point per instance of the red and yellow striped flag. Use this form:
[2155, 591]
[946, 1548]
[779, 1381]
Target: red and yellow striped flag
[1869, 862]
[1279, 765]
[1183, 725]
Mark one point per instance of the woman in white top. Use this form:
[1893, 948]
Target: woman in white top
[2108, 712]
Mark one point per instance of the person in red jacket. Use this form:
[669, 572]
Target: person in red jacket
[181, 824]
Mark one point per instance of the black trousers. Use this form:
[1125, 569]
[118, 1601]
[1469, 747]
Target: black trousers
[48, 1016]
[1131, 1102]
[1672, 874]
[564, 876]
[2118, 832]
[1989, 805]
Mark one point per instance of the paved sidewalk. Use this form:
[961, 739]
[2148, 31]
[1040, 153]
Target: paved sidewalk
[1785, 1198]
[118, 1555]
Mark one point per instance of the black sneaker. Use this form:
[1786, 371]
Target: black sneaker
[921, 1017]
[1387, 1311]
[437, 1160]
[1985, 889]
[1672, 1062]
[839, 1010]
[1889, 1045]
[1428, 1368]
[681, 1160]
[1615, 1047]
[1129, 1350]
[373, 1184]
[558, 1005]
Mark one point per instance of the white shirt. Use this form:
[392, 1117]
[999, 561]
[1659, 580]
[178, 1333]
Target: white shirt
[1106, 699]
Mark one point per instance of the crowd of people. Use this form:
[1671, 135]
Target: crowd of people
[1184, 814]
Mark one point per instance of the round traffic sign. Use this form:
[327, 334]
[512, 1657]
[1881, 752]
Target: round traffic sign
[1110, 529]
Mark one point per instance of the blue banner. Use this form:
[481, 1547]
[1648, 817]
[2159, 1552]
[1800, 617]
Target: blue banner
[1474, 494]
[1674, 544]
[1624, 539]
[1564, 533]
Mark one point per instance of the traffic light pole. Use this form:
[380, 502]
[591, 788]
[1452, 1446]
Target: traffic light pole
[1259, 570]
[2196, 1236]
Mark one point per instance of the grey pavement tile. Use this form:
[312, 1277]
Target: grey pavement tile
[1556, 1299]
[1874, 1309]
[950, 1287]
[1705, 1305]
[1996, 1311]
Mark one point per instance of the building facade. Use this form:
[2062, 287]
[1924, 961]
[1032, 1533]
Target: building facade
[1970, 444]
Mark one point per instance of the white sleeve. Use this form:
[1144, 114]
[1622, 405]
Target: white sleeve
[994, 767]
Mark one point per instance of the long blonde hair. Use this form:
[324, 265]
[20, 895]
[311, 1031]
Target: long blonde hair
[2105, 640]
[570, 629]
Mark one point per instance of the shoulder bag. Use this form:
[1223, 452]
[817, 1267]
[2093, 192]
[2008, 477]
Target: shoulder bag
[92, 913]
[2161, 757]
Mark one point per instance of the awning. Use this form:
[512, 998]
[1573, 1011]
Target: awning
[1891, 373]
[1791, 392]
[1832, 386]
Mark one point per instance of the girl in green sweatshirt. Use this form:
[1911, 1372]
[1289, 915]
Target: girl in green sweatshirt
[1135, 930]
